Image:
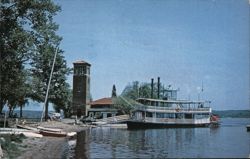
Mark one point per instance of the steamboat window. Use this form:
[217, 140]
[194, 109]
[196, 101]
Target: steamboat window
[168, 115]
[109, 115]
[149, 114]
[165, 115]
[201, 116]
[188, 116]
[171, 115]
[179, 115]
[159, 115]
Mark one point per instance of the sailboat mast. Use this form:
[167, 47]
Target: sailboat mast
[47, 92]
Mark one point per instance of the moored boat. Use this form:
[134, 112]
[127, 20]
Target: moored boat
[170, 112]
[166, 113]
[53, 133]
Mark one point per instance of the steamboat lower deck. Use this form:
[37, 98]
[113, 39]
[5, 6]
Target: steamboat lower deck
[149, 125]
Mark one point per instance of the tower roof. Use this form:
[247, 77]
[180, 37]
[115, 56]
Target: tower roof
[81, 62]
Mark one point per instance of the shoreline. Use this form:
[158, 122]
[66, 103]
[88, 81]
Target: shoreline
[52, 147]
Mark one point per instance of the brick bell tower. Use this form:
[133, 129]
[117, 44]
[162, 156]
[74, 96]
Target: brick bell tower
[81, 87]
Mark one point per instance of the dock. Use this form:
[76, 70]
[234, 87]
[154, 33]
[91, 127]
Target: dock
[112, 120]
[248, 127]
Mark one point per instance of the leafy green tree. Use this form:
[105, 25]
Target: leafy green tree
[18, 96]
[14, 52]
[143, 90]
[59, 89]
[28, 38]
[124, 105]
[131, 90]
[127, 101]
[63, 100]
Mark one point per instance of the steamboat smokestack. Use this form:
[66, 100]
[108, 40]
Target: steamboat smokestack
[158, 88]
[152, 87]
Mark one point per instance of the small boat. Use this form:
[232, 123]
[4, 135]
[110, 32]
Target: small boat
[214, 120]
[52, 133]
[49, 129]
[18, 131]
[27, 128]
[25, 133]
[14, 130]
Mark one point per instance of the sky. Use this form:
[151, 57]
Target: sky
[184, 42]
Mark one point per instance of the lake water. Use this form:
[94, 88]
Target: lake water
[229, 140]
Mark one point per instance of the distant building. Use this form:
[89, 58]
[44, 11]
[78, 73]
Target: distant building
[102, 108]
[81, 87]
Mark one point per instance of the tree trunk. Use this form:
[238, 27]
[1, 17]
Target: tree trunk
[10, 111]
[21, 111]
[46, 111]
[1, 106]
[1, 100]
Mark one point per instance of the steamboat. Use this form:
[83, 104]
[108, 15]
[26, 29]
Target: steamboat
[170, 112]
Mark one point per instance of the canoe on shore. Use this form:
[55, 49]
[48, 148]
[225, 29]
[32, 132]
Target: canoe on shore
[49, 129]
[53, 134]
[39, 128]
[14, 130]
[27, 128]
[25, 133]
[30, 132]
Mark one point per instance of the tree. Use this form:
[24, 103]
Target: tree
[131, 90]
[45, 45]
[65, 103]
[124, 105]
[143, 90]
[59, 89]
[27, 30]
[113, 92]
[14, 52]
[127, 101]
[17, 96]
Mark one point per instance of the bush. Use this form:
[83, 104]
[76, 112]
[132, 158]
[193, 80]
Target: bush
[10, 143]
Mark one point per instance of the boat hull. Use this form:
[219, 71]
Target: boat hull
[53, 134]
[151, 125]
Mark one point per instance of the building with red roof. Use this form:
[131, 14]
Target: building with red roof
[102, 108]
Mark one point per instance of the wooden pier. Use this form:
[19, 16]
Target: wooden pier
[112, 120]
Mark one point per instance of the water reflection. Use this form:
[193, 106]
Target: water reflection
[82, 145]
[163, 143]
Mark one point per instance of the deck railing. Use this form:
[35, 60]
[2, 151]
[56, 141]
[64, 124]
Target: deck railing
[172, 109]
[175, 121]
